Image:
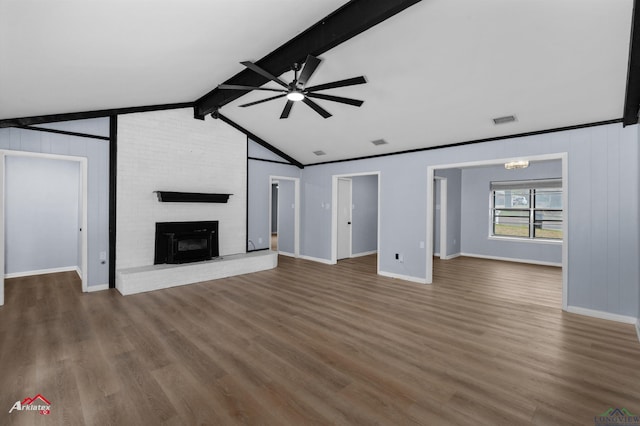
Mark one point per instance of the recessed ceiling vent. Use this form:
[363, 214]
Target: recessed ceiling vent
[319, 153]
[379, 142]
[505, 119]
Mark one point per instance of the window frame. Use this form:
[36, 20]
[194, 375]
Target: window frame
[532, 188]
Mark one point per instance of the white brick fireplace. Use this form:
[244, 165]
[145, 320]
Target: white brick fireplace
[171, 151]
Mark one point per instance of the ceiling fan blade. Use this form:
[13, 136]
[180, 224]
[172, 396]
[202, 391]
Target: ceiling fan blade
[310, 65]
[263, 100]
[239, 87]
[349, 101]
[287, 109]
[317, 108]
[340, 83]
[266, 74]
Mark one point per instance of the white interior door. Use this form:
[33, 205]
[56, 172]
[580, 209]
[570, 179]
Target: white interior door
[344, 218]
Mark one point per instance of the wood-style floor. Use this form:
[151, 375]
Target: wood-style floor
[308, 343]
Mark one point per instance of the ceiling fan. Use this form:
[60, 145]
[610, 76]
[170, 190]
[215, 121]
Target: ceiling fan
[297, 90]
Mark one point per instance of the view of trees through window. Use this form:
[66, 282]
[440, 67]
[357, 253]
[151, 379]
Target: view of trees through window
[527, 212]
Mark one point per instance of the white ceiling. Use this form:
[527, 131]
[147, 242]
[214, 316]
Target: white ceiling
[437, 72]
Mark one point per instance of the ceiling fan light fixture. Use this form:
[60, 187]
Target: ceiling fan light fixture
[295, 96]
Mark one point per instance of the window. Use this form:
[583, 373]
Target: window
[527, 209]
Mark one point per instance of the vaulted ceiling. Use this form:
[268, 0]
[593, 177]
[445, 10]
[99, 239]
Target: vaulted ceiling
[438, 72]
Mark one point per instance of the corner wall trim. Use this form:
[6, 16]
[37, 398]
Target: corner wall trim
[476, 141]
[260, 141]
[403, 277]
[508, 259]
[603, 315]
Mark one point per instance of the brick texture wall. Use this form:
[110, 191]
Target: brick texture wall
[171, 151]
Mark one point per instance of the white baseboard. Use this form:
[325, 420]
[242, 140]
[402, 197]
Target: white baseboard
[603, 315]
[452, 256]
[286, 253]
[508, 259]
[436, 254]
[638, 328]
[364, 253]
[403, 277]
[43, 271]
[99, 287]
[318, 259]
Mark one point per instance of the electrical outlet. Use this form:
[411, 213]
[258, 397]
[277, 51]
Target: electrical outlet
[259, 240]
[397, 256]
[421, 244]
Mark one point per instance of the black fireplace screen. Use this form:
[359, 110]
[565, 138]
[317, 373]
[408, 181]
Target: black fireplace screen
[182, 242]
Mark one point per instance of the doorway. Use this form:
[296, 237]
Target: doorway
[273, 243]
[284, 215]
[77, 239]
[440, 217]
[355, 224]
[431, 172]
[344, 217]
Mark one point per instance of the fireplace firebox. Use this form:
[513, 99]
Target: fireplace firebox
[183, 242]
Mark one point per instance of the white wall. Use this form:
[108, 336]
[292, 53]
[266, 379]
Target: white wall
[41, 219]
[170, 151]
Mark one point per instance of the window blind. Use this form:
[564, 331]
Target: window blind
[555, 183]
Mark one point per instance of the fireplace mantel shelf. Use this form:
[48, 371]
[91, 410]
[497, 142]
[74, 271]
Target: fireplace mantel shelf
[191, 197]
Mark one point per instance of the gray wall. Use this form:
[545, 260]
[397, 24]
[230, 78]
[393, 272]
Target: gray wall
[364, 216]
[286, 215]
[476, 214]
[42, 223]
[602, 212]
[97, 153]
[259, 192]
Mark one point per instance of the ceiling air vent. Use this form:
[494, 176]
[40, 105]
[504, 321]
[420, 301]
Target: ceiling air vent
[505, 119]
[379, 142]
[319, 153]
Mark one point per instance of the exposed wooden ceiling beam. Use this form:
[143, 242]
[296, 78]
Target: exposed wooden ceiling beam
[348, 21]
